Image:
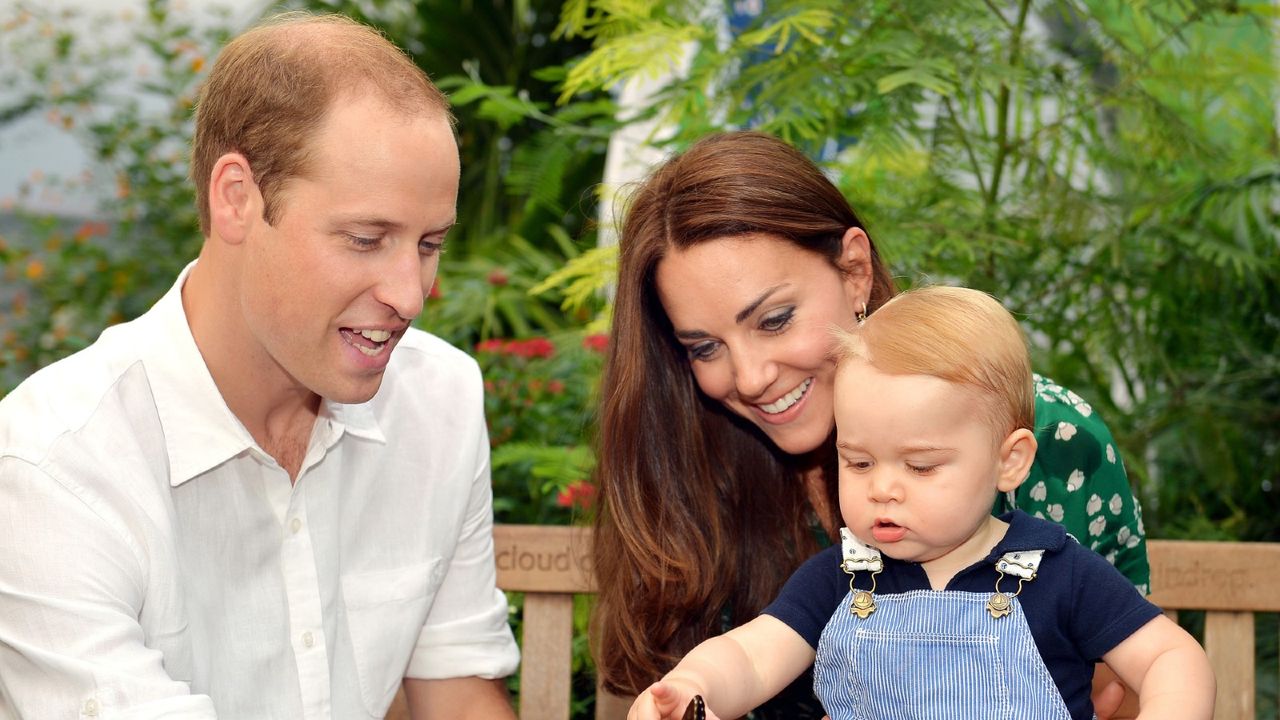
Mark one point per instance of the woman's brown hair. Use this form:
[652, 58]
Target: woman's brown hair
[701, 517]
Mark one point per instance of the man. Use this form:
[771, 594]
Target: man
[243, 504]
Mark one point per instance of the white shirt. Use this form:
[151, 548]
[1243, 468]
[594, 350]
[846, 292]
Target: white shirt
[154, 558]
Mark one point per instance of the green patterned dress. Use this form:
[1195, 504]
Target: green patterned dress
[1077, 481]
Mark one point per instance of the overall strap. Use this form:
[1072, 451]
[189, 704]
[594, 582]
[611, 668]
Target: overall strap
[857, 556]
[1023, 564]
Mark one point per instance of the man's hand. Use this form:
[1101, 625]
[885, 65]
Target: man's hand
[467, 697]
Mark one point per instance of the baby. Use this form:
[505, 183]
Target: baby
[930, 606]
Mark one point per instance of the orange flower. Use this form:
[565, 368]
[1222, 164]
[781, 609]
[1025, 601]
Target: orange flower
[197, 64]
[90, 229]
[35, 270]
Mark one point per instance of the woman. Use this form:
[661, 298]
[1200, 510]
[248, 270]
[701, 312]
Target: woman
[716, 464]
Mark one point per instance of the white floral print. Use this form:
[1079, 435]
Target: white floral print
[1116, 504]
[1065, 431]
[1097, 525]
[1094, 504]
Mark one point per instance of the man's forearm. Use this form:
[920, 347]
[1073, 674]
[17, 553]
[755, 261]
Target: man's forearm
[466, 698]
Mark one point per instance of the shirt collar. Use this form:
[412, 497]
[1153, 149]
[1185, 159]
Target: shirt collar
[1026, 534]
[358, 420]
[200, 430]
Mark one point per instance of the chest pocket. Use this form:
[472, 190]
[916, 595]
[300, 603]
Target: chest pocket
[385, 613]
[934, 662]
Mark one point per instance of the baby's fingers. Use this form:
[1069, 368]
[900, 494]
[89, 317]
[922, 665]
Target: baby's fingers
[676, 703]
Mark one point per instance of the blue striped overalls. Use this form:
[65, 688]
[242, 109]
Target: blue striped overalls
[930, 654]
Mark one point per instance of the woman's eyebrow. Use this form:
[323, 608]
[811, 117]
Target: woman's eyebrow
[745, 312]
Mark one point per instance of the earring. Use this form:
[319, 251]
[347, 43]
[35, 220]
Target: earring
[861, 315]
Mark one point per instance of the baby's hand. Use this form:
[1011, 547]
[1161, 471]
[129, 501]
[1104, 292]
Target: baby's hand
[665, 700]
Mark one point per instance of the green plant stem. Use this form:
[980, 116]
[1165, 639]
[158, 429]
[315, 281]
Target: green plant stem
[1002, 107]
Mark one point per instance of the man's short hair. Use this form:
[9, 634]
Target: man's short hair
[955, 334]
[271, 89]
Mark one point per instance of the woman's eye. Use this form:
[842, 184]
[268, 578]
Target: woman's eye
[429, 247]
[702, 351]
[777, 321]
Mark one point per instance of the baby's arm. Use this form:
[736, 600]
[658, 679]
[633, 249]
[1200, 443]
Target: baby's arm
[1169, 670]
[733, 672]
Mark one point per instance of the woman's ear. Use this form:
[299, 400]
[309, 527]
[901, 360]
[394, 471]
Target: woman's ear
[1017, 452]
[855, 263]
[234, 199]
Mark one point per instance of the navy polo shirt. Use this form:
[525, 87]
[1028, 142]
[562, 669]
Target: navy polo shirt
[1078, 607]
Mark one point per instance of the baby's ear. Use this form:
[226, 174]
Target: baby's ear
[1017, 452]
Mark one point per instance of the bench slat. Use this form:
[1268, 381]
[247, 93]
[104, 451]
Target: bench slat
[543, 558]
[1235, 576]
[548, 641]
[1228, 640]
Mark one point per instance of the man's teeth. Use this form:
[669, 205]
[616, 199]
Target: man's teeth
[787, 400]
[376, 335]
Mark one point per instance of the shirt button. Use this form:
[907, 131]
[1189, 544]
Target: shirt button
[91, 707]
[308, 639]
[295, 525]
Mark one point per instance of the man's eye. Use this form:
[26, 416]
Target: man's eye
[362, 242]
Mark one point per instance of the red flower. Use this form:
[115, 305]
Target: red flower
[434, 292]
[597, 342]
[497, 277]
[537, 347]
[555, 387]
[579, 494]
[492, 345]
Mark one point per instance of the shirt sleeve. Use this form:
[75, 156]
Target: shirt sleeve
[1078, 481]
[1097, 629]
[467, 633]
[71, 589]
[811, 594]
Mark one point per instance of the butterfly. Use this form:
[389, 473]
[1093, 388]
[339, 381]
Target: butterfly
[697, 709]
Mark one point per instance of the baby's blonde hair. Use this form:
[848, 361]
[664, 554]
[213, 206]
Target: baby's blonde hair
[955, 334]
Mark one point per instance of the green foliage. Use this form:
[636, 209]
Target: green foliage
[539, 401]
[1109, 169]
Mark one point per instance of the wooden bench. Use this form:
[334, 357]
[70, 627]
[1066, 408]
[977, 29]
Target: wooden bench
[550, 564]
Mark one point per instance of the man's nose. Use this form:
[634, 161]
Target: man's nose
[408, 277]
